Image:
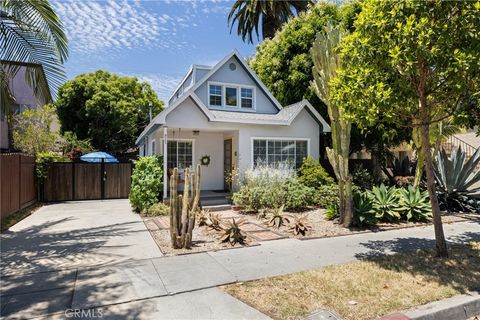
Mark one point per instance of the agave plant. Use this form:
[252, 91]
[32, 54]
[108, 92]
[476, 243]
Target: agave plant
[415, 204]
[385, 202]
[363, 211]
[214, 221]
[233, 233]
[276, 218]
[458, 180]
[202, 217]
[300, 225]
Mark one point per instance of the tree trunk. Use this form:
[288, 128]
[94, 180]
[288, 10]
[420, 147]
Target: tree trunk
[441, 244]
[419, 168]
[348, 210]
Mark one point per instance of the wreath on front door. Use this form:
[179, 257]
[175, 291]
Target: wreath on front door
[205, 160]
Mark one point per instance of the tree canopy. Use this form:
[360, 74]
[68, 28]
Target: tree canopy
[249, 15]
[107, 109]
[414, 61]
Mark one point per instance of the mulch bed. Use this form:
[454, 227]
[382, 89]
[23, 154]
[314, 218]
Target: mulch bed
[206, 239]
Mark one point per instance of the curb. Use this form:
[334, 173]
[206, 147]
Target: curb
[459, 307]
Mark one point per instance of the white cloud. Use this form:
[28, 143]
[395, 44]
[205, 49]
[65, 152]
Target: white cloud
[95, 26]
[162, 84]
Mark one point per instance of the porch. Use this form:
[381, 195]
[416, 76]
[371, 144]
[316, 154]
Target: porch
[215, 149]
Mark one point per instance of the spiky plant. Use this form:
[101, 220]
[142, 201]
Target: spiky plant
[214, 221]
[233, 234]
[202, 217]
[415, 204]
[300, 225]
[363, 211]
[385, 203]
[458, 180]
[276, 218]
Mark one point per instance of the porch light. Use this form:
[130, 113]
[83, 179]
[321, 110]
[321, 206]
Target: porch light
[196, 132]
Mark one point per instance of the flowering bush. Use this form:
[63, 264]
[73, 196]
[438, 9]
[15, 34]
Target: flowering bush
[271, 186]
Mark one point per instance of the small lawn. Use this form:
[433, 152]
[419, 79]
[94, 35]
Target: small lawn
[367, 289]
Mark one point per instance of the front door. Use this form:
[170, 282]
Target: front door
[227, 163]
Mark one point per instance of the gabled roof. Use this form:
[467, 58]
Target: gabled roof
[283, 118]
[191, 71]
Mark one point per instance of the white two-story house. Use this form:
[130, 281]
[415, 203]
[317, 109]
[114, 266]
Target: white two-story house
[225, 113]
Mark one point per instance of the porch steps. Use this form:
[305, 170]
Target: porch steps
[219, 207]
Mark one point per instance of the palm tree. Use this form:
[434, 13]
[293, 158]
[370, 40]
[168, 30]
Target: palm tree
[327, 61]
[31, 34]
[271, 13]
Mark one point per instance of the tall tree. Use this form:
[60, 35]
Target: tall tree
[327, 61]
[270, 14]
[108, 109]
[414, 60]
[31, 32]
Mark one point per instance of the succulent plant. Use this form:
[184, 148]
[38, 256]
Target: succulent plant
[300, 225]
[214, 221]
[415, 204]
[385, 202]
[276, 218]
[202, 217]
[458, 180]
[233, 234]
[363, 211]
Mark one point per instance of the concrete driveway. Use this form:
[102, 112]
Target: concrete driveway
[76, 234]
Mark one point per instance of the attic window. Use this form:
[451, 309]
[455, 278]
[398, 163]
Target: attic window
[215, 95]
[232, 66]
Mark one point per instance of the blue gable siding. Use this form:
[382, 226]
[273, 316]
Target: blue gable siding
[238, 76]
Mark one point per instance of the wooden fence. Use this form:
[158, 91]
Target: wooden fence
[17, 182]
[87, 181]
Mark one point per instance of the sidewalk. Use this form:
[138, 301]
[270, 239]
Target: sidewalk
[164, 285]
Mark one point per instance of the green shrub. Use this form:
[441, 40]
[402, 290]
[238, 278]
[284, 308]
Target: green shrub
[415, 204]
[297, 195]
[327, 196]
[146, 182]
[312, 174]
[42, 159]
[363, 211]
[386, 203]
[158, 209]
[363, 178]
[268, 187]
[331, 212]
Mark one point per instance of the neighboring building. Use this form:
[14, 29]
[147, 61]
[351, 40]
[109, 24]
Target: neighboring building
[24, 97]
[226, 113]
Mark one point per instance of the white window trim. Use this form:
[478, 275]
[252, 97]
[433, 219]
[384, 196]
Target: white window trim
[193, 151]
[252, 139]
[239, 87]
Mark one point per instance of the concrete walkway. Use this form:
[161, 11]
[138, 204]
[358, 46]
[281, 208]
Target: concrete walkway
[183, 287]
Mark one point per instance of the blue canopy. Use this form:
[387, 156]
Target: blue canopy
[98, 156]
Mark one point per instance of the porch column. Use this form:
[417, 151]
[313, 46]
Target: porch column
[165, 157]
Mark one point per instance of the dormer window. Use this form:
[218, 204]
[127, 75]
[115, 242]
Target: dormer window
[215, 93]
[231, 96]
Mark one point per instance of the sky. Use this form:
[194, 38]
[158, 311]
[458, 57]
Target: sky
[153, 40]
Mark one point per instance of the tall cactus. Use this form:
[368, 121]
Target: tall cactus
[326, 60]
[183, 208]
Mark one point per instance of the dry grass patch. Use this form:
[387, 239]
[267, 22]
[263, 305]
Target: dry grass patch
[367, 289]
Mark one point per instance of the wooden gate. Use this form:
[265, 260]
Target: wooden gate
[87, 181]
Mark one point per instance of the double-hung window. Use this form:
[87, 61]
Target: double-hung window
[215, 95]
[246, 98]
[276, 151]
[179, 154]
[230, 96]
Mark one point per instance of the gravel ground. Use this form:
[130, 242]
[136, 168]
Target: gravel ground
[206, 239]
